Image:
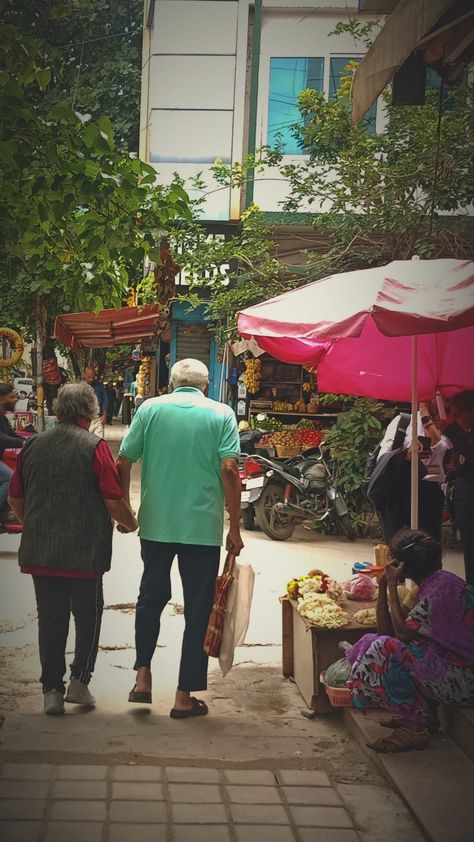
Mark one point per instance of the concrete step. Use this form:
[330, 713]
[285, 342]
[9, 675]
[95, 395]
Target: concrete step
[437, 784]
[458, 724]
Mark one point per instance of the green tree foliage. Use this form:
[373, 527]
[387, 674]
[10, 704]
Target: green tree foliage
[357, 432]
[96, 46]
[77, 217]
[389, 195]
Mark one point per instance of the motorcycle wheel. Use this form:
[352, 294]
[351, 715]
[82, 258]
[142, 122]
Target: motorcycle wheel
[344, 522]
[278, 531]
[248, 518]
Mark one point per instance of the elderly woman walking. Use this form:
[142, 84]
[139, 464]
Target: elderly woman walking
[66, 490]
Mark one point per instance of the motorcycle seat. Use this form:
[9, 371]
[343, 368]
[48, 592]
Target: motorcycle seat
[289, 468]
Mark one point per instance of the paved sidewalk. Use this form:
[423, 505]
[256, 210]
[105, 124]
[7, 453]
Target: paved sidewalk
[46, 803]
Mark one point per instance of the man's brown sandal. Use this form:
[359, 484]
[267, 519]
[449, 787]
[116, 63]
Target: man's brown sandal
[199, 708]
[402, 739]
[142, 697]
[398, 722]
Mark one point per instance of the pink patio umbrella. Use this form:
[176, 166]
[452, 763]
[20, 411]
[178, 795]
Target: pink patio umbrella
[397, 332]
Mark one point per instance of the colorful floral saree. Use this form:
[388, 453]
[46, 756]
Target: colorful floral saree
[411, 679]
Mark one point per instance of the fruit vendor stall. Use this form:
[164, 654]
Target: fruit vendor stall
[282, 399]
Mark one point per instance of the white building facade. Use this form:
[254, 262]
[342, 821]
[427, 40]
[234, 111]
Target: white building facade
[220, 79]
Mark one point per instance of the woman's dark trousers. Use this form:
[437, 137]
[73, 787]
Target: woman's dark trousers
[56, 598]
[198, 568]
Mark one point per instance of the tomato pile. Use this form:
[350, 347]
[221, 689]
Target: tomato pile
[309, 438]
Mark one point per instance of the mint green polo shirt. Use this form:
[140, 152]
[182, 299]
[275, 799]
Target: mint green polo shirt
[181, 439]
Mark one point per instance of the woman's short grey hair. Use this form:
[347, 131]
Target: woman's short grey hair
[189, 373]
[77, 400]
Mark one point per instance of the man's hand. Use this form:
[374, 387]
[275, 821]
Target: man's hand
[103, 419]
[234, 543]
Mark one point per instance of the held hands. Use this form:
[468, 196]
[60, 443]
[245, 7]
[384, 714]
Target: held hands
[234, 542]
[124, 529]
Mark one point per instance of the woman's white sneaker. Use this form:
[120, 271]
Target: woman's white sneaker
[78, 693]
[53, 703]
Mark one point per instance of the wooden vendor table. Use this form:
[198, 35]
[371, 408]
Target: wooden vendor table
[308, 651]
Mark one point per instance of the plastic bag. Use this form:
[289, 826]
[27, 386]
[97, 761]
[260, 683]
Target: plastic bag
[237, 615]
[361, 587]
[337, 673]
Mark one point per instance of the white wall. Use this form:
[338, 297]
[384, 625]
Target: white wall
[196, 52]
[194, 84]
[294, 34]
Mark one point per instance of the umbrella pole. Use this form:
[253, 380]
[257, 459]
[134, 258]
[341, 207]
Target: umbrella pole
[414, 433]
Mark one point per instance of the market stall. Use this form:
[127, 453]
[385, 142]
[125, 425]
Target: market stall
[317, 615]
[282, 399]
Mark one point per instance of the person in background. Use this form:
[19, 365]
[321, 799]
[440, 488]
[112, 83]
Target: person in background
[396, 513]
[418, 661]
[189, 447]
[118, 397]
[66, 505]
[110, 391]
[8, 439]
[97, 425]
[138, 400]
[461, 433]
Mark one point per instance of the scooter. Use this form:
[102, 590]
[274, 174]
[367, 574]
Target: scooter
[11, 527]
[300, 490]
[251, 481]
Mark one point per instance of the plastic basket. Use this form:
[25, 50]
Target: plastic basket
[339, 697]
[287, 452]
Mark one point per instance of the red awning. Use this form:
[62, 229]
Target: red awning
[106, 328]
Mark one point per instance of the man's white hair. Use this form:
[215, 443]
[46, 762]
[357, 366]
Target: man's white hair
[189, 373]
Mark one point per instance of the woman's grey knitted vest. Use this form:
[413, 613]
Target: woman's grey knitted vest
[66, 524]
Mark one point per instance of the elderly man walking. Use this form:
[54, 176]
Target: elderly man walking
[189, 447]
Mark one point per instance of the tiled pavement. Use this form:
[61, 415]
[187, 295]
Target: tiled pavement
[46, 803]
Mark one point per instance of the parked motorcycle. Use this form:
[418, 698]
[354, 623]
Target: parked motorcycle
[300, 490]
[251, 475]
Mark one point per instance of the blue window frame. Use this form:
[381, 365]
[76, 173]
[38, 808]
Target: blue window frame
[433, 81]
[288, 77]
[337, 70]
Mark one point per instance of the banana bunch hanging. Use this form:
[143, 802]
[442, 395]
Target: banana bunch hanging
[253, 375]
[143, 376]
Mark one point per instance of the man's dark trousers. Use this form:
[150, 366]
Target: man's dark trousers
[198, 568]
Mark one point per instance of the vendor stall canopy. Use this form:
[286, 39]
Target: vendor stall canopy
[438, 32]
[357, 328]
[107, 328]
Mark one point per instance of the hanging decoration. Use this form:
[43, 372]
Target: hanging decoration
[7, 334]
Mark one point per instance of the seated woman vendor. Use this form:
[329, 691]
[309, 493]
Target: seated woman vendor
[417, 661]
